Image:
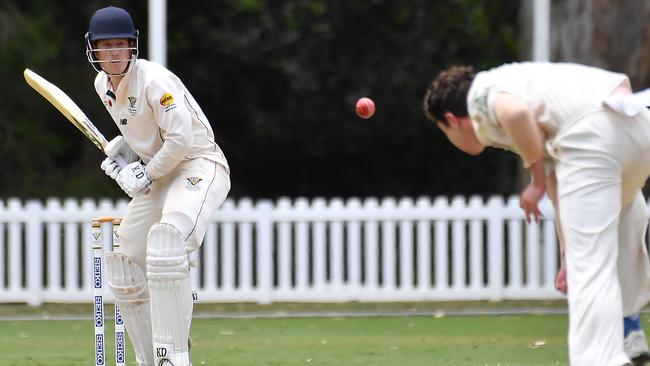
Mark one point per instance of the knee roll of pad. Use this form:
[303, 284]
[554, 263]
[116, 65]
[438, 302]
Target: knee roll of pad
[126, 279]
[166, 253]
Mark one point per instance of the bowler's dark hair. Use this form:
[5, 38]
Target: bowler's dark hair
[448, 93]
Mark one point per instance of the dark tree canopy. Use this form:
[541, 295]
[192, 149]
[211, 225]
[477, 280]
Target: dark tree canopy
[278, 80]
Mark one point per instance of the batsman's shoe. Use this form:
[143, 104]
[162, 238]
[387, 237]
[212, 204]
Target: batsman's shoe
[636, 347]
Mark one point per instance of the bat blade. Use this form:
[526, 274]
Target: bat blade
[66, 106]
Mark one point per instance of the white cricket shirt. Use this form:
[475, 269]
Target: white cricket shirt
[159, 118]
[556, 93]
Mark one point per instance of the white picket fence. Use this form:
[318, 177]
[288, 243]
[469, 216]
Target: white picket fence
[305, 251]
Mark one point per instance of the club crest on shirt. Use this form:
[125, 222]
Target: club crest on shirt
[167, 102]
[132, 110]
[193, 183]
[108, 103]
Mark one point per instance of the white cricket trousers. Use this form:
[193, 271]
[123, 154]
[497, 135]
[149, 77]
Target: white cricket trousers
[186, 198]
[602, 161]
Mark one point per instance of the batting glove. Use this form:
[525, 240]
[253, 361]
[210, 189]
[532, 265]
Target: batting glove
[117, 147]
[133, 179]
[111, 167]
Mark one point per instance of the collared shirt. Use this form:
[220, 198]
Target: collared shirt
[159, 118]
[556, 94]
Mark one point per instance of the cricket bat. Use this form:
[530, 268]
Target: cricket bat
[73, 113]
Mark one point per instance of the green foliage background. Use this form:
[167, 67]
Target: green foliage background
[278, 80]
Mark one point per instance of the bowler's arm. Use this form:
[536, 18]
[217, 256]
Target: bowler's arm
[519, 124]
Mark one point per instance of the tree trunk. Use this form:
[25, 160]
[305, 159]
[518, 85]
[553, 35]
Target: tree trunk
[612, 34]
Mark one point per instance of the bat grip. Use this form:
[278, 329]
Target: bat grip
[122, 163]
[120, 160]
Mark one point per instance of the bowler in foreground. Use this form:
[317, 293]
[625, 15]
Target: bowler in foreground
[554, 116]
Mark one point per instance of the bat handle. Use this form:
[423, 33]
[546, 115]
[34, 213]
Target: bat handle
[120, 160]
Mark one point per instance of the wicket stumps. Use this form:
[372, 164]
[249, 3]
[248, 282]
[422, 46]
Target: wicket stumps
[104, 237]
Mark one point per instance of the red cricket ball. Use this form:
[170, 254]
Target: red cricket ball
[365, 108]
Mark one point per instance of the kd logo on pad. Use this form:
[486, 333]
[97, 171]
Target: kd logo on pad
[161, 352]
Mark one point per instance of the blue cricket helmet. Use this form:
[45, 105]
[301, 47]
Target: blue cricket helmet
[111, 22]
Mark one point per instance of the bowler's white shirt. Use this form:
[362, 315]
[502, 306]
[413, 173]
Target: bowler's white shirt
[159, 118]
[556, 94]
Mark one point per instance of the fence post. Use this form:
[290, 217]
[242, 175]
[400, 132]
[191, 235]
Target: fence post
[337, 265]
[34, 252]
[264, 240]
[406, 244]
[245, 247]
[424, 250]
[476, 252]
[495, 247]
[284, 247]
[302, 247]
[458, 242]
[388, 275]
[353, 239]
[320, 247]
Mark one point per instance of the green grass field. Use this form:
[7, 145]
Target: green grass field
[373, 341]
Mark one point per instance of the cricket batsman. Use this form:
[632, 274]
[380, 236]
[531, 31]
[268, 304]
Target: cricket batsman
[177, 177]
[557, 118]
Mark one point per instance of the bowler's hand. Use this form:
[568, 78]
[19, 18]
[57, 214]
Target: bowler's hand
[560, 280]
[529, 200]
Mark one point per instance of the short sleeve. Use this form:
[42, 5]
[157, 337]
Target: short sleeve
[480, 107]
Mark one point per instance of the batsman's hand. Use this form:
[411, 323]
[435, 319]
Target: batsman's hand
[118, 146]
[111, 167]
[133, 179]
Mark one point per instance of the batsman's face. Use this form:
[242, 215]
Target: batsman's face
[113, 55]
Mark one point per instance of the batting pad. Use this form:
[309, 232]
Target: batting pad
[129, 286]
[171, 295]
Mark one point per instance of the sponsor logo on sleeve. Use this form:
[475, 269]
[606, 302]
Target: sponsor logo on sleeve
[167, 102]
